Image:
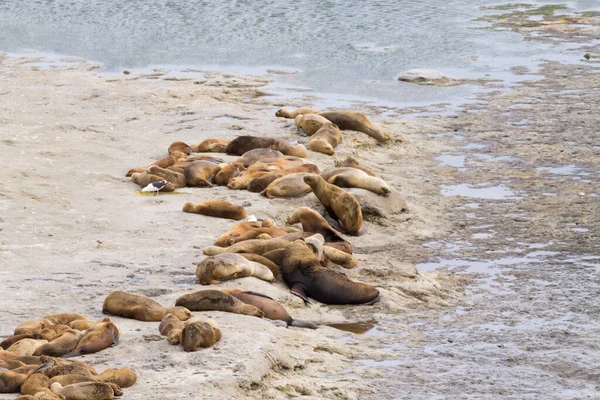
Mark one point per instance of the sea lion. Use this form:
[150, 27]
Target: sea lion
[262, 260]
[9, 341]
[142, 308]
[215, 300]
[314, 222]
[179, 147]
[310, 123]
[292, 185]
[41, 396]
[60, 346]
[255, 232]
[200, 173]
[84, 391]
[32, 326]
[280, 163]
[11, 381]
[83, 325]
[52, 367]
[242, 144]
[97, 338]
[216, 208]
[338, 204]
[123, 377]
[211, 146]
[235, 231]
[227, 266]
[272, 309]
[242, 181]
[26, 347]
[252, 156]
[325, 139]
[260, 183]
[199, 334]
[347, 120]
[291, 114]
[339, 257]
[143, 179]
[348, 177]
[65, 318]
[303, 273]
[351, 162]
[177, 179]
[171, 327]
[255, 246]
[36, 383]
[228, 172]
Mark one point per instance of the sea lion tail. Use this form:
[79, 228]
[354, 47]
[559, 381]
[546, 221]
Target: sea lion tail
[303, 324]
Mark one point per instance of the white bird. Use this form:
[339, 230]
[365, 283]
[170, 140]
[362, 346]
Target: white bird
[156, 186]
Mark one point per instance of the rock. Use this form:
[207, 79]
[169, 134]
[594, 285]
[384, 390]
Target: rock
[380, 206]
[427, 77]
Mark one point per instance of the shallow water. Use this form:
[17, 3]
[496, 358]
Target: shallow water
[351, 47]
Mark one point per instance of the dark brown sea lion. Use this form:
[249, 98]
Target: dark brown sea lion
[199, 334]
[306, 277]
[252, 156]
[338, 204]
[142, 308]
[351, 162]
[97, 338]
[285, 113]
[60, 346]
[255, 246]
[325, 139]
[171, 327]
[242, 144]
[179, 147]
[310, 123]
[228, 172]
[215, 300]
[272, 309]
[347, 120]
[216, 208]
[228, 266]
[84, 390]
[348, 177]
[292, 185]
[211, 146]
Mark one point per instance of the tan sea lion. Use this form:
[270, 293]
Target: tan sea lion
[351, 162]
[272, 309]
[339, 257]
[60, 346]
[291, 114]
[144, 179]
[314, 222]
[201, 173]
[142, 308]
[84, 391]
[228, 266]
[292, 185]
[310, 123]
[348, 177]
[171, 327]
[242, 144]
[52, 332]
[11, 381]
[216, 208]
[211, 146]
[255, 232]
[237, 230]
[36, 383]
[83, 325]
[303, 273]
[179, 147]
[215, 300]
[252, 156]
[255, 246]
[338, 204]
[279, 163]
[9, 341]
[97, 338]
[26, 347]
[32, 326]
[41, 396]
[123, 377]
[242, 181]
[199, 334]
[262, 260]
[347, 120]
[53, 367]
[228, 172]
[325, 139]
[65, 318]
[260, 183]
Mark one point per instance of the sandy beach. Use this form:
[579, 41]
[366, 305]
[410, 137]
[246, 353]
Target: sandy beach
[73, 228]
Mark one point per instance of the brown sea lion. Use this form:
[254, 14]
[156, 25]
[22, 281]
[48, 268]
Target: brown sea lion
[256, 246]
[171, 327]
[242, 181]
[83, 325]
[280, 163]
[200, 173]
[292, 185]
[97, 338]
[351, 162]
[142, 308]
[347, 120]
[215, 300]
[242, 144]
[216, 208]
[9, 341]
[11, 381]
[272, 309]
[26, 347]
[235, 231]
[252, 156]
[65, 318]
[310, 123]
[314, 222]
[325, 139]
[144, 179]
[84, 391]
[199, 334]
[338, 204]
[32, 326]
[228, 266]
[211, 146]
[60, 346]
[348, 177]
[303, 273]
[179, 147]
[291, 114]
[228, 172]
[36, 383]
[123, 377]
[52, 332]
[53, 367]
[260, 183]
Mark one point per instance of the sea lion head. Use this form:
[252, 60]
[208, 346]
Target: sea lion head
[182, 313]
[312, 180]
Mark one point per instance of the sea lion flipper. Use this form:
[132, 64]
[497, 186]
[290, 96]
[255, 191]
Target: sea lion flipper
[258, 294]
[298, 290]
[304, 324]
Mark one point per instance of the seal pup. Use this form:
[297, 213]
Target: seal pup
[142, 308]
[325, 139]
[144, 179]
[255, 232]
[242, 144]
[215, 300]
[211, 146]
[338, 204]
[97, 338]
[272, 309]
[238, 229]
[228, 266]
[216, 208]
[199, 334]
[306, 277]
[348, 120]
[348, 177]
[179, 147]
[32, 326]
[171, 327]
[84, 390]
[255, 246]
[291, 114]
[292, 185]
[351, 162]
